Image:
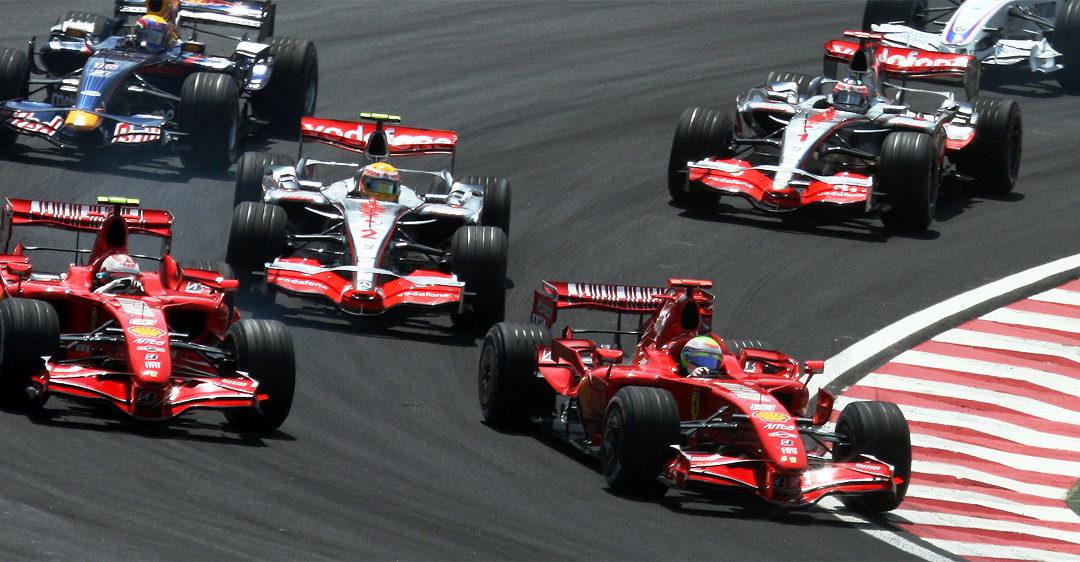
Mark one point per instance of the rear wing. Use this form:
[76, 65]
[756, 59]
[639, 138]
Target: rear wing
[556, 295]
[248, 14]
[901, 62]
[376, 140]
[80, 217]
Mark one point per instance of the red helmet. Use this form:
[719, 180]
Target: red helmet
[380, 181]
[850, 94]
[117, 266]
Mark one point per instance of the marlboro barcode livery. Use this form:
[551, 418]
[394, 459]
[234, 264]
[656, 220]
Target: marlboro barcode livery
[685, 408]
[153, 343]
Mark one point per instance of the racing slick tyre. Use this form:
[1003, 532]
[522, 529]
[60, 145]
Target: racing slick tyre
[701, 132]
[1067, 42]
[14, 84]
[221, 268]
[641, 424]
[993, 157]
[892, 11]
[210, 117]
[877, 429]
[293, 88]
[511, 393]
[249, 174]
[256, 235]
[496, 210]
[907, 175]
[263, 349]
[29, 329]
[478, 258]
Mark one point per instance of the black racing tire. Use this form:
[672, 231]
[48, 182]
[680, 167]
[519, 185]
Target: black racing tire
[250, 170]
[993, 157]
[479, 259]
[496, 210]
[210, 117]
[257, 235]
[98, 21]
[293, 88]
[222, 268]
[877, 429]
[29, 329]
[510, 392]
[892, 11]
[14, 84]
[907, 175]
[736, 346]
[264, 349]
[700, 133]
[641, 424]
[1067, 42]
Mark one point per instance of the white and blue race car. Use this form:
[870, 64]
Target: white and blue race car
[1040, 35]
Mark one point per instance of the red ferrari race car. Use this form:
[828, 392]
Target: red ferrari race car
[152, 344]
[354, 235]
[854, 143]
[684, 409]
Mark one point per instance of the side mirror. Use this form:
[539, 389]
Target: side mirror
[609, 356]
[193, 47]
[824, 407]
[20, 269]
[229, 284]
[813, 367]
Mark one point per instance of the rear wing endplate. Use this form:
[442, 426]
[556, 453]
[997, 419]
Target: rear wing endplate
[80, 217]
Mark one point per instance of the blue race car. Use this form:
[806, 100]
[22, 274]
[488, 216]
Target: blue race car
[100, 82]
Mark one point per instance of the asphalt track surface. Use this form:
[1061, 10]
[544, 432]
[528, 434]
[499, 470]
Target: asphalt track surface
[384, 455]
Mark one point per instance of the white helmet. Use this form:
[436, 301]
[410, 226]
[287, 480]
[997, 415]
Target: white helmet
[118, 266]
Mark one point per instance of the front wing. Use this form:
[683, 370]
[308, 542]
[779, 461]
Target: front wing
[711, 471]
[736, 177]
[46, 121]
[306, 277]
[157, 404]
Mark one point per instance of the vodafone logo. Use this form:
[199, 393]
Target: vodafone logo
[911, 59]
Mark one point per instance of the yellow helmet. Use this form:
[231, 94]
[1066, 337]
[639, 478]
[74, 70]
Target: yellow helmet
[164, 9]
[380, 181]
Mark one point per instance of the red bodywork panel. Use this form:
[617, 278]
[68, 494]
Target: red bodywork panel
[132, 362]
[755, 185]
[419, 288]
[761, 399]
[403, 141]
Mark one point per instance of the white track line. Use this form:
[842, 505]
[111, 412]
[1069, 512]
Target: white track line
[1052, 381]
[839, 364]
[969, 522]
[1033, 320]
[969, 497]
[860, 351]
[972, 338]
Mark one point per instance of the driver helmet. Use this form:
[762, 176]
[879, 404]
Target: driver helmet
[117, 266]
[154, 32]
[379, 181]
[165, 9]
[701, 351]
[850, 94]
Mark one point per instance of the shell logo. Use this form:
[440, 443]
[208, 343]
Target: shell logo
[146, 331]
[770, 416]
